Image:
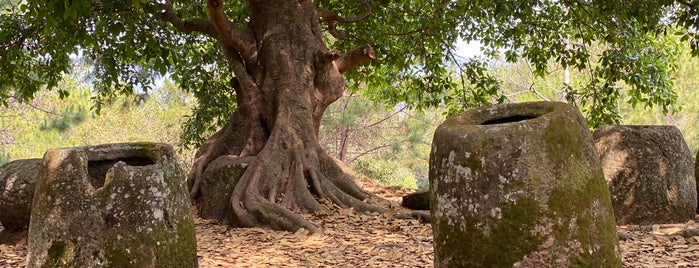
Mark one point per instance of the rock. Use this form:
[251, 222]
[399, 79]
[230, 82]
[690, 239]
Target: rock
[113, 205]
[650, 174]
[417, 201]
[17, 179]
[218, 181]
[623, 236]
[520, 185]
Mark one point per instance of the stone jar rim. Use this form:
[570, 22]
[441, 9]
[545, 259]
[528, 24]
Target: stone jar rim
[97, 160]
[508, 113]
[110, 151]
[638, 126]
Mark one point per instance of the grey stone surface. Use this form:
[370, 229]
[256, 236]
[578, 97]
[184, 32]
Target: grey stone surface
[519, 185]
[113, 205]
[17, 180]
[650, 173]
[219, 180]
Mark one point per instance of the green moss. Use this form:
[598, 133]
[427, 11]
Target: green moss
[180, 254]
[115, 254]
[579, 186]
[59, 255]
[565, 148]
[595, 231]
[510, 239]
[473, 161]
[173, 251]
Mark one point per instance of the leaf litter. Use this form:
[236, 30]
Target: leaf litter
[352, 239]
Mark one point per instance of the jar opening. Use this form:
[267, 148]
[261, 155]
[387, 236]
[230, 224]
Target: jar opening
[509, 119]
[97, 170]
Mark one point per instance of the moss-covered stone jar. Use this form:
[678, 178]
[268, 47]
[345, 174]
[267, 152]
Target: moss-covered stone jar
[113, 205]
[520, 185]
[220, 178]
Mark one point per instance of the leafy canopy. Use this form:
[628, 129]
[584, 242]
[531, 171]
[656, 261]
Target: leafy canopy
[128, 45]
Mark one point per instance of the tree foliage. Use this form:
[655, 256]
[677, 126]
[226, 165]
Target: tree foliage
[687, 120]
[131, 42]
[265, 71]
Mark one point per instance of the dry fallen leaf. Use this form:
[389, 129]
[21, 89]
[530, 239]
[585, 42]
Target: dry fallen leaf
[354, 239]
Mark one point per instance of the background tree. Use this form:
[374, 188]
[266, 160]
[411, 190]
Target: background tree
[265, 71]
[390, 145]
[47, 121]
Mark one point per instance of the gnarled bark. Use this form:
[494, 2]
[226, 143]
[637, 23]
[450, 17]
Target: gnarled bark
[283, 83]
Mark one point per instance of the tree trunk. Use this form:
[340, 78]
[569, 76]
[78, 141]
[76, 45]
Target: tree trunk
[283, 88]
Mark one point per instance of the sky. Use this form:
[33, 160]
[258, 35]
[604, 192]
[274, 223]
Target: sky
[468, 49]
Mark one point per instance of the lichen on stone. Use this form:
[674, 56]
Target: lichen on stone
[534, 195]
[139, 217]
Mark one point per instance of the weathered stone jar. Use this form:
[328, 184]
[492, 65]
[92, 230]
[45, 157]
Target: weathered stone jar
[17, 180]
[114, 205]
[519, 185]
[649, 171]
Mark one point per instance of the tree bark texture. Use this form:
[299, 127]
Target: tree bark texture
[285, 78]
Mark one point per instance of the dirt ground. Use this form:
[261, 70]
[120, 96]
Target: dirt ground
[353, 239]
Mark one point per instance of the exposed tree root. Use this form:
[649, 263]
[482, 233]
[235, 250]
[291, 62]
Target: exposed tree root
[283, 82]
[288, 178]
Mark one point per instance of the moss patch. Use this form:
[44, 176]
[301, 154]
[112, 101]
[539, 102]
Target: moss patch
[565, 148]
[511, 238]
[572, 201]
[178, 250]
[180, 254]
[59, 255]
[594, 230]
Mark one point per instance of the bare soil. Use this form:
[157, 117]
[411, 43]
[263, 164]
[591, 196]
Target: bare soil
[353, 239]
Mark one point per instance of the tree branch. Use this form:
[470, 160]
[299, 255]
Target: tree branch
[354, 58]
[372, 150]
[241, 74]
[19, 42]
[186, 26]
[240, 39]
[368, 152]
[387, 117]
[332, 17]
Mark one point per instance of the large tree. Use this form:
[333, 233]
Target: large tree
[264, 71]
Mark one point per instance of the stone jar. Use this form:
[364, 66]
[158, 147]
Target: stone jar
[17, 180]
[113, 205]
[650, 173]
[520, 185]
[220, 178]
